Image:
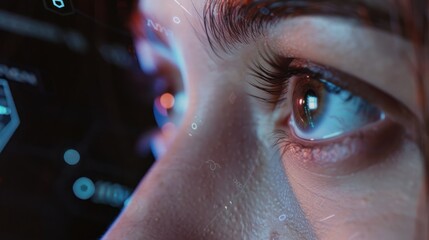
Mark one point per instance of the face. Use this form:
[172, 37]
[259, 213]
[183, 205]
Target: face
[299, 127]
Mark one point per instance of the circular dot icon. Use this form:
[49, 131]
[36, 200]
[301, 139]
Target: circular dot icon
[71, 157]
[282, 217]
[194, 126]
[176, 20]
[83, 188]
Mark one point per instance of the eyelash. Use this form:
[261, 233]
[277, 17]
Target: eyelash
[275, 81]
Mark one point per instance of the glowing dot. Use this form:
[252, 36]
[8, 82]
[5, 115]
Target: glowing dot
[312, 102]
[167, 100]
[194, 126]
[83, 188]
[282, 217]
[4, 110]
[176, 20]
[71, 157]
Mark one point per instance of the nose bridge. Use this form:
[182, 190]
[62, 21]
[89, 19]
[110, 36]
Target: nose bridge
[187, 189]
[216, 181]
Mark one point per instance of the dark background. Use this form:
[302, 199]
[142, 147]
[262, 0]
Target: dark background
[90, 96]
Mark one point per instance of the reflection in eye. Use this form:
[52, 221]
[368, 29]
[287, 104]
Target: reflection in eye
[169, 108]
[168, 111]
[322, 110]
[325, 118]
[322, 102]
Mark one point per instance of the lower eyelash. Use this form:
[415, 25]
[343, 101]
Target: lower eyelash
[341, 157]
[321, 154]
[329, 159]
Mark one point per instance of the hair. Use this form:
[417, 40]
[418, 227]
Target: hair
[415, 15]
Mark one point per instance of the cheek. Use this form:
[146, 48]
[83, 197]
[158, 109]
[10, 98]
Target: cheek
[235, 183]
[379, 202]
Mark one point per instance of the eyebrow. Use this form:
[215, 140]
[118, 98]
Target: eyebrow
[229, 22]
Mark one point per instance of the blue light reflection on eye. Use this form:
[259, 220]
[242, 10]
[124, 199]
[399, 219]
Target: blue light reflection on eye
[147, 63]
[181, 102]
[335, 134]
[160, 114]
[312, 102]
[71, 157]
[165, 119]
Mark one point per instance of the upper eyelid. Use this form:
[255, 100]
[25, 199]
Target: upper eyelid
[380, 59]
[397, 111]
[227, 23]
[224, 36]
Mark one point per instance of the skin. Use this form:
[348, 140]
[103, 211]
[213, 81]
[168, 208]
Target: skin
[256, 192]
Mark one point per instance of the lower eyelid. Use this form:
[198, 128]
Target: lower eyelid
[344, 155]
[348, 153]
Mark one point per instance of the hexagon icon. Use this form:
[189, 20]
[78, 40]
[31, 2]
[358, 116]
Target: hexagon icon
[62, 7]
[9, 120]
[58, 3]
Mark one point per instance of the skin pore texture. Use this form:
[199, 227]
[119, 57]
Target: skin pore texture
[369, 188]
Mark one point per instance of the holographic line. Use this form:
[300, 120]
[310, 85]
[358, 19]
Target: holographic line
[183, 7]
[327, 218]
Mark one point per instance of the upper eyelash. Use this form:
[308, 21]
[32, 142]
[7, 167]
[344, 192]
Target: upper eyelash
[275, 80]
[272, 81]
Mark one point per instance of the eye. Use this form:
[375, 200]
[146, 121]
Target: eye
[314, 102]
[169, 107]
[322, 110]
